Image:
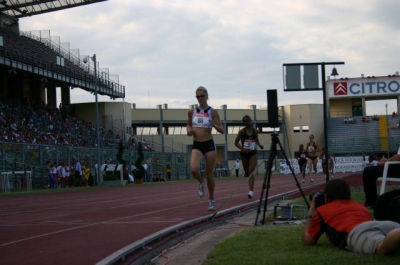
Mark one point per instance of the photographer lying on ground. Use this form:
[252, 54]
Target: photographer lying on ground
[348, 224]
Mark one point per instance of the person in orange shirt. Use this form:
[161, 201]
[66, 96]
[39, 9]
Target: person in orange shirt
[86, 173]
[348, 224]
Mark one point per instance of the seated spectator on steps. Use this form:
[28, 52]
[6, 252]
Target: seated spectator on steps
[372, 173]
[348, 224]
[350, 120]
[365, 119]
[158, 177]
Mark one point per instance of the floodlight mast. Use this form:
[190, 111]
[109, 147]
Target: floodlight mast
[99, 181]
[98, 170]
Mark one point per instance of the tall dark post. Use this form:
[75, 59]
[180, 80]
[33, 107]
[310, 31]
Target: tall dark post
[99, 180]
[325, 123]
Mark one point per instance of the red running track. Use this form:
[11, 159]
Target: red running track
[85, 225]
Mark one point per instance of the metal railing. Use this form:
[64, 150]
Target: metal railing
[22, 157]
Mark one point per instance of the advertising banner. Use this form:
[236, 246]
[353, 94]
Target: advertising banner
[364, 87]
[342, 164]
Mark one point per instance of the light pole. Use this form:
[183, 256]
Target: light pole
[161, 126]
[325, 106]
[98, 170]
[224, 108]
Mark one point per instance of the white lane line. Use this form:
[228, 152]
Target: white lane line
[43, 235]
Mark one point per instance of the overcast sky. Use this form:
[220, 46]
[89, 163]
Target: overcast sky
[163, 50]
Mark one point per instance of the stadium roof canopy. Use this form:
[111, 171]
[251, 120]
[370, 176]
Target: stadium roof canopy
[25, 8]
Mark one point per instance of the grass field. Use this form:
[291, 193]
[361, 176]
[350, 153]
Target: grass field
[281, 245]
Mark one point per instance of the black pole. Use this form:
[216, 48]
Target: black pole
[325, 124]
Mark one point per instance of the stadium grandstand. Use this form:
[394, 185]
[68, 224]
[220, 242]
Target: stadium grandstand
[35, 130]
[32, 65]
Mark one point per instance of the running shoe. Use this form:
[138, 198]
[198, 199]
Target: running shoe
[311, 180]
[250, 195]
[304, 181]
[201, 189]
[211, 205]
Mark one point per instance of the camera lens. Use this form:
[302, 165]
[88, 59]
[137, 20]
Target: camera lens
[312, 194]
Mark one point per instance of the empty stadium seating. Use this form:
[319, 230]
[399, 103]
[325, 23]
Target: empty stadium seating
[360, 137]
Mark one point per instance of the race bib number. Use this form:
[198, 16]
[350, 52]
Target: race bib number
[249, 144]
[201, 120]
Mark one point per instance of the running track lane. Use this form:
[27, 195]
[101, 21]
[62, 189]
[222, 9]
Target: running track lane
[84, 225]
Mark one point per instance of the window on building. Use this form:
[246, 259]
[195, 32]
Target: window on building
[60, 61]
[184, 131]
[305, 128]
[270, 129]
[147, 130]
[233, 129]
[296, 129]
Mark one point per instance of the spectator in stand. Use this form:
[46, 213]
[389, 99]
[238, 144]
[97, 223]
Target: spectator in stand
[168, 171]
[133, 169]
[236, 166]
[132, 142]
[365, 119]
[61, 175]
[49, 169]
[145, 166]
[55, 176]
[78, 169]
[45, 125]
[67, 169]
[86, 173]
[158, 177]
[107, 167]
[128, 174]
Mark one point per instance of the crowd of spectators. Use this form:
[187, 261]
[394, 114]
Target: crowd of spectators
[40, 124]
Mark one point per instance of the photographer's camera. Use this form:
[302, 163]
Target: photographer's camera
[319, 200]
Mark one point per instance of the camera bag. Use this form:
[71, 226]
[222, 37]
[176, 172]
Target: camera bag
[387, 206]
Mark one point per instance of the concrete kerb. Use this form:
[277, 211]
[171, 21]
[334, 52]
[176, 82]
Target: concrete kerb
[179, 228]
[219, 218]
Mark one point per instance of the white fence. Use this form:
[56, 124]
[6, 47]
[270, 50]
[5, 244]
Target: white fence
[16, 180]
